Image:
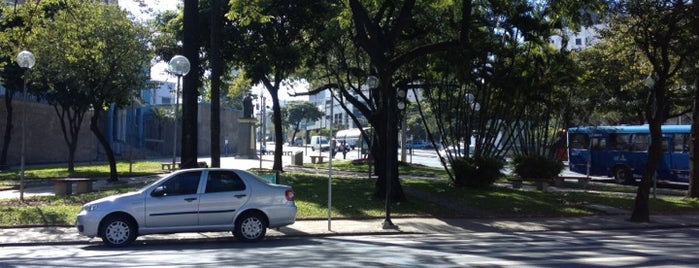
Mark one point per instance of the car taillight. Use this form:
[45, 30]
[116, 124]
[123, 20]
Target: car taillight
[289, 194]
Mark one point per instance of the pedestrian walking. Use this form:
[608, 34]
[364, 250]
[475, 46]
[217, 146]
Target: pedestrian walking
[343, 147]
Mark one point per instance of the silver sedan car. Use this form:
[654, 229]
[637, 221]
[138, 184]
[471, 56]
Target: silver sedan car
[192, 200]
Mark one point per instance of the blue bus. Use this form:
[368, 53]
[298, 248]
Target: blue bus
[621, 152]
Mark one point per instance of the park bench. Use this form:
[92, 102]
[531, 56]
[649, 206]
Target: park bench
[169, 165]
[582, 181]
[316, 158]
[64, 186]
[541, 184]
[271, 152]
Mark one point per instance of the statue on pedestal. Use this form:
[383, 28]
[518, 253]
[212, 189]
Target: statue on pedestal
[247, 106]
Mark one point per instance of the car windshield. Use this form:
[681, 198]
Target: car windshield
[150, 180]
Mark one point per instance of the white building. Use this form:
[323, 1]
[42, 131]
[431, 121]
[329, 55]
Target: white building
[586, 37]
[583, 38]
[338, 117]
[164, 92]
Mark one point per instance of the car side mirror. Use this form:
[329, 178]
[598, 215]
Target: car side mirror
[159, 191]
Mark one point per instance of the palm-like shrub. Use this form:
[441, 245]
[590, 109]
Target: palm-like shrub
[536, 166]
[477, 171]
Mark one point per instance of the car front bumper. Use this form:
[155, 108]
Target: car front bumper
[88, 223]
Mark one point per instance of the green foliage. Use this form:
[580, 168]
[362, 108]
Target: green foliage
[239, 86]
[90, 56]
[103, 55]
[536, 166]
[611, 89]
[476, 172]
[297, 111]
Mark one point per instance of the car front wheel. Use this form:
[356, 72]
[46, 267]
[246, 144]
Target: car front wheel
[118, 231]
[250, 227]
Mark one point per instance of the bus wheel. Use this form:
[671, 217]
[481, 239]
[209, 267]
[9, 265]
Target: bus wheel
[622, 175]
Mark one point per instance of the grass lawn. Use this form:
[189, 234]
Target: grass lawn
[85, 170]
[353, 197]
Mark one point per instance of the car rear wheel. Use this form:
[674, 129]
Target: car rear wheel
[117, 231]
[250, 227]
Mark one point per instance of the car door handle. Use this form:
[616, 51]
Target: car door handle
[190, 199]
[240, 195]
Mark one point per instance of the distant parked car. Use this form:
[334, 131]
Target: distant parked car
[320, 143]
[192, 200]
[298, 141]
[419, 145]
[460, 151]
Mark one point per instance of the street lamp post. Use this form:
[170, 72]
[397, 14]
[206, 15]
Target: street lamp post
[650, 83]
[402, 104]
[179, 66]
[26, 61]
[475, 107]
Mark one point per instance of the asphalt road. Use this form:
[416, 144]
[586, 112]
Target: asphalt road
[604, 248]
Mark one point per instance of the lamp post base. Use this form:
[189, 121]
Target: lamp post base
[388, 225]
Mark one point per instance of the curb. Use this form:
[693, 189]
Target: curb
[55, 235]
[174, 239]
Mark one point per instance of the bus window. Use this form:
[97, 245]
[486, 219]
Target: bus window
[579, 141]
[619, 141]
[599, 144]
[665, 146]
[679, 143]
[640, 142]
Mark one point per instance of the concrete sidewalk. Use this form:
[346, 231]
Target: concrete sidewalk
[317, 228]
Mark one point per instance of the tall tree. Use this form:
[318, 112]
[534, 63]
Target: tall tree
[217, 37]
[660, 30]
[297, 112]
[14, 36]
[101, 62]
[273, 44]
[397, 40]
[693, 71]
[190, 88]
[391, 36]
[216, 63]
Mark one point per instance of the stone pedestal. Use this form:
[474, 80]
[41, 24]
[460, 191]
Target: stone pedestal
[246, 136]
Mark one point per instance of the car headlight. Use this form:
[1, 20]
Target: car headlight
[90, 208]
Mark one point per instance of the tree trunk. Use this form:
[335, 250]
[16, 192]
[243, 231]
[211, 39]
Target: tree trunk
[70, 127]
[693, 190]
[7, 138]
[278, 131]
[216, 71]
[387, 132]
[656, 117]
[190, 93]
[641, 210]
[71, 158]
[94, 127]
